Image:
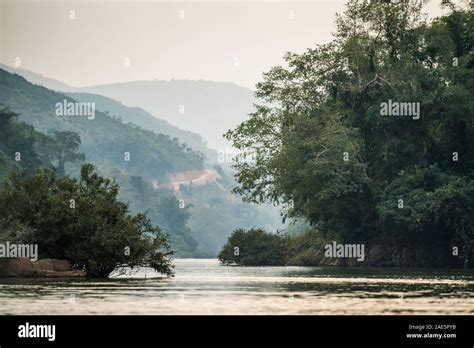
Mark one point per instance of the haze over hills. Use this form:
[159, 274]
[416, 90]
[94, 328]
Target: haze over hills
[205, 107]
[104, 139]
[134, 115]
[131, 155]
[147, 121]
[39, 79]
[210, 211]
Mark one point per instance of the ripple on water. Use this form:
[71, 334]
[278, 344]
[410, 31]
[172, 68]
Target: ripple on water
[205, 287]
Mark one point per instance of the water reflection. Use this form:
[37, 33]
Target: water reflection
[205, 287]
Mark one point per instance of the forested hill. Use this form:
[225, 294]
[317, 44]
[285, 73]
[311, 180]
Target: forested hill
[187, 109]
[198, 218]
[208, 108]
[147, 121]
[104, 140]
[18, 140]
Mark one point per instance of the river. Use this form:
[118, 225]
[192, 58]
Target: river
[203, 286]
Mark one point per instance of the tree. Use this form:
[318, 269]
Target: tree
[437, 213]
[64, 149]
[173, 219]
[17, 144]
[83, 222]
[325, 150]
[254, 247]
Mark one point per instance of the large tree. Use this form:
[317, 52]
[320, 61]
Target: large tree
[18, 144]
[82, 221]
[63, 148]
[323, 148]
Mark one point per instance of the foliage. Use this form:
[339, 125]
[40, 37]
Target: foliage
[17, 139]
[163, 209]
[254, 247]
[306, 249]
[437, 215]
[323, 149]
[104, 140]
[210, 213]
[82, 221]
[62, 147]
[198, 218]
[21, 146]
[216, 213]
[146, 120]
[259, 248]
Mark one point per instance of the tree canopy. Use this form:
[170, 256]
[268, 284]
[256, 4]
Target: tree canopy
[323, 147]
[81, 221]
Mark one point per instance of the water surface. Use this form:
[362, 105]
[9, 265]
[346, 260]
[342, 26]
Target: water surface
[203, 286]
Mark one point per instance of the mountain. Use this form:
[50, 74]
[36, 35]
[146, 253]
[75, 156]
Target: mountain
[39, 79]
[113, 107]
[104, 139]
[204, 107]
[145, 120]
[199, 214]
[131, 155]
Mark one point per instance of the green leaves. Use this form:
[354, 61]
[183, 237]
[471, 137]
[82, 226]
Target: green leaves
[323, 144]
[93, 231]
[254, 247]
[437, 211]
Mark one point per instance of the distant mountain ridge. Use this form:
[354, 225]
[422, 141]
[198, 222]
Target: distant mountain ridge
[39, 79]
[134, 115]
[147, 121]
[104, 139]
[204, 108]
[158, 165]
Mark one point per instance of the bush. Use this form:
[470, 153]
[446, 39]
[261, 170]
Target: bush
[306, 249]
[254, 247]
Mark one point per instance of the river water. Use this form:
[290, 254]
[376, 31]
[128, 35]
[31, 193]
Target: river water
[203, 286]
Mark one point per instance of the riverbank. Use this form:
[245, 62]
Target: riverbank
[256, 247]
[45, 268]
[203, 286]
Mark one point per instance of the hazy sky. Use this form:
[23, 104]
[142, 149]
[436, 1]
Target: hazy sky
[113, 41]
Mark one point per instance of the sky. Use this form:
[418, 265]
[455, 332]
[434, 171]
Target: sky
[84, 43]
